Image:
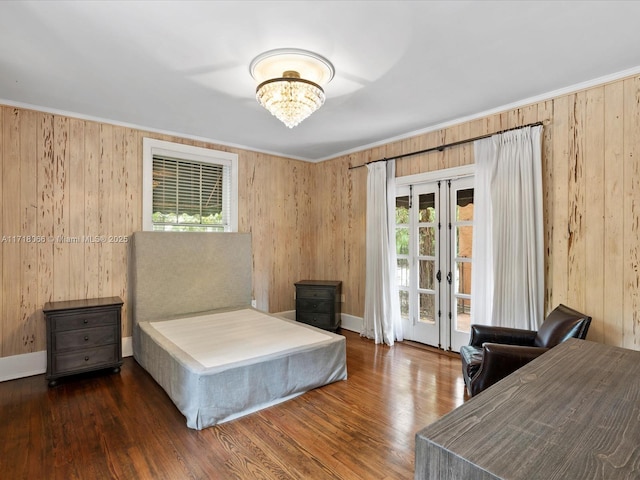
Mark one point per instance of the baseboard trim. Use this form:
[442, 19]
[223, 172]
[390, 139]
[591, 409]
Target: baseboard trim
[352, 323]
[127, 347]
[25, 365]
[348, 322]
[29, 364]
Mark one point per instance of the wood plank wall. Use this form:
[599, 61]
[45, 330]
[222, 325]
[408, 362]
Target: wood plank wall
[65, 178]
[591, 170]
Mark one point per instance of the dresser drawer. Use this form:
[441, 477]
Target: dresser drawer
[86, 337]
[85, 359]
[320, 320]
[83, 319]
[319, 306]
[312, 292]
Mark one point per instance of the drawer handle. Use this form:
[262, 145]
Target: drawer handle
[86, 359]
[86, 320]
[86, 338]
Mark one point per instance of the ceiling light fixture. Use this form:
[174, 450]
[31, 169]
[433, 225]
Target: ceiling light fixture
[290, 83]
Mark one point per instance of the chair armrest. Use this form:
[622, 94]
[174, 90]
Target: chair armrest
[500, 361]
[481, 334]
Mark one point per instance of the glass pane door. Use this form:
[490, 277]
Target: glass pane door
[461, 195]
[417, 245]
[434, 239]
[403, 273]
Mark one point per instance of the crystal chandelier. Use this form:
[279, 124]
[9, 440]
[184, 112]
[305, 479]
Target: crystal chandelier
[290, 82]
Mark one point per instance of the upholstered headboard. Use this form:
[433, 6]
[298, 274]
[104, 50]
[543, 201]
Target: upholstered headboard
[177, 273]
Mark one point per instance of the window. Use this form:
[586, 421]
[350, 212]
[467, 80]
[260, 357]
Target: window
[188, 188]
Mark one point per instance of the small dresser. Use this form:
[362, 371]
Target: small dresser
[83, 335]
[318, 303]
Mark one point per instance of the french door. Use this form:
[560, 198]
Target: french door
[434, 232]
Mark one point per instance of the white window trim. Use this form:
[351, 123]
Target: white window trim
[434, 176]
[151, 147]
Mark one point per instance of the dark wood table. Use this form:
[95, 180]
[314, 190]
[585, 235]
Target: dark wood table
[573, 413]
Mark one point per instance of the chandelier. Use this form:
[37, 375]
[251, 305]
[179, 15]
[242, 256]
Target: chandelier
[290, 83]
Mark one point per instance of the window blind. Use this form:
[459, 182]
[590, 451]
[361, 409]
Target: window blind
[189, 193]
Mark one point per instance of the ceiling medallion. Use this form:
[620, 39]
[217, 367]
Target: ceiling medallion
[290, 83]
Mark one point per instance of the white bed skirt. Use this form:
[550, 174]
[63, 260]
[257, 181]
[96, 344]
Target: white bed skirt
[218, 367]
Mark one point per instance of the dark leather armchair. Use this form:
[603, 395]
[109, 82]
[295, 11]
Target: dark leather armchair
[495, 352]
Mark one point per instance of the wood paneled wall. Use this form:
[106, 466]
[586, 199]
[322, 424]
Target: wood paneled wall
[591, 170]
[65, 178]
[66, 182]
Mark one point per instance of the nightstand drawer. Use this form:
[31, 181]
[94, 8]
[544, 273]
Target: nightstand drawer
[86, 337]
[319, 306]
[310, 292]
[86, 319]
[85, 359]
[320, 320]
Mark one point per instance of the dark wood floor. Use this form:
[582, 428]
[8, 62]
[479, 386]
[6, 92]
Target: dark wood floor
[124, 426]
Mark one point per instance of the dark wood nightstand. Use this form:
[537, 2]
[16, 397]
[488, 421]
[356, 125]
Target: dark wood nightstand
[318, 303]
[83, 335]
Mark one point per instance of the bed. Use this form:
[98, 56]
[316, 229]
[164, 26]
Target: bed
[195, 332]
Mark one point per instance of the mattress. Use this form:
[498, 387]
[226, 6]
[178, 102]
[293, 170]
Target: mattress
[221, 365]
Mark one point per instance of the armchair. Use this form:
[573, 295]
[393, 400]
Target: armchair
[495, 352]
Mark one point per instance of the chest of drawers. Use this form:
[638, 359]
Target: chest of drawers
[318, 303]
[83, 335]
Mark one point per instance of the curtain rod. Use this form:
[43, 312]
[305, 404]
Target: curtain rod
[448, 145]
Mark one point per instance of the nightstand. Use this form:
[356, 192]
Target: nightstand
[318, 303]
[83, 335]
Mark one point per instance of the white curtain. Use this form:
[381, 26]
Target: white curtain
[382, 321]
[508, 252]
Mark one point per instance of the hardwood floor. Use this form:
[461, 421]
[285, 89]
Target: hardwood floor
[124, 426]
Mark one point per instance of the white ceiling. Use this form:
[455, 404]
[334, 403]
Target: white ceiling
[401, 66]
